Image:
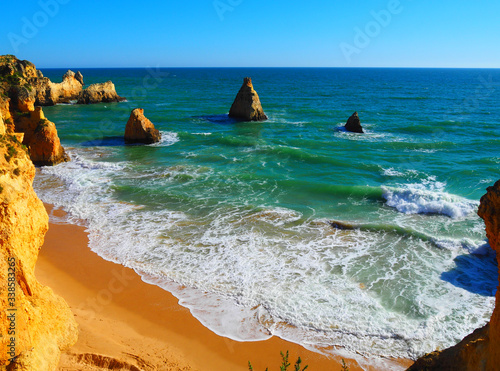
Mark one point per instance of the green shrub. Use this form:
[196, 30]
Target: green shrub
[284, 364]
[297, 367]
[11, 152]
[42, 124]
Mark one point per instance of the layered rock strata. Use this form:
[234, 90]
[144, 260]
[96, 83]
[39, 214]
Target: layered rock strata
[246, 105]
[140, 129]
[35, 324]
[479, 351]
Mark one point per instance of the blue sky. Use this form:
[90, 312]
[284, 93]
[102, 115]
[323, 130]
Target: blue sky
[253, 33]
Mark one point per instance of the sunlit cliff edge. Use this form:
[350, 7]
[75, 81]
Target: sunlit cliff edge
[479, 351]
[35, 324]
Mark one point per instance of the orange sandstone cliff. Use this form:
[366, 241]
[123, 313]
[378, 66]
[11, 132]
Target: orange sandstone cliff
[18, 96]
[479, 351]
[35, 324]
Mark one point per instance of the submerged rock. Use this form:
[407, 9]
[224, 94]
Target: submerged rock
[97, 93]
[246, 105]
[140, 129]
[342, 226]
[354, 124]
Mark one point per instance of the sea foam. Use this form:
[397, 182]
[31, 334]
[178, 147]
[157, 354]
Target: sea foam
[250, 272]
[428, 198]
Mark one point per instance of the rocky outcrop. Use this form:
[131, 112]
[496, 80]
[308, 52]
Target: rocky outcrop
[40, 136]
[48, 93]
[36, 325]
[479, 351]
[67, 90]
[45, 146]
[246, 105]
[140, 130]
[97, 93]
[489, 210]
[354, 124]
[79, 77]
[43, 92]
[17, 99]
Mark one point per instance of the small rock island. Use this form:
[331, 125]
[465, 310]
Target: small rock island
[354, 124]
[246, 105]
[140, 129]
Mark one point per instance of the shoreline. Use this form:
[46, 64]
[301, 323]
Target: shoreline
[125, 321]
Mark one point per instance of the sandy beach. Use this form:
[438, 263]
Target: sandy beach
[125, 323]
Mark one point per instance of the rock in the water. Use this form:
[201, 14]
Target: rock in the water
[97, 93]
[49, 93]
[247, 105]
[40, 136]
[140, 130]
[354, 124]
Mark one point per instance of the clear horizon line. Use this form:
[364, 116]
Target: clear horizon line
[271, 67]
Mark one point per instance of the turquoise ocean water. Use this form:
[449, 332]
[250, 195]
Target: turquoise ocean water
[234, 217]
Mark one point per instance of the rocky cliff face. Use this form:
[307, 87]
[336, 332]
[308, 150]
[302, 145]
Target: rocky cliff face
[246, 105]
[2, 124]
[17, 99]
[489, 210]
[479, 351]
[140, 129]
[35, 324]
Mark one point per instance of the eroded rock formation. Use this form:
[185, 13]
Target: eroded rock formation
[246, 105]
[35, 323]
[140, 129]
[40, 136]
[17, 99]
[96, 93]
[43, 92]
[479, 351]
[354, 124]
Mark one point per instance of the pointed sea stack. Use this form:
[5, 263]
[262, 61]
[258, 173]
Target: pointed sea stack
[354, 124]
[247, 105]
[140, 130]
